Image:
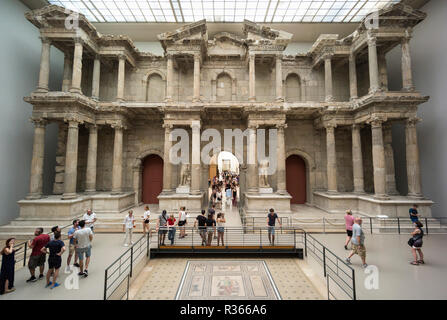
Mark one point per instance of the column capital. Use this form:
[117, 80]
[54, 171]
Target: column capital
[281, 126]
[412, 122]
[73, 121]
[357, 126]
[45, 40]
[352, 56]
[170, 55]
[121, 56]
[118, 125]
[279, 56]
[372, 40]
[96, 56]
[78, 40]
[91, 126]
[253, 126]
[195, 125]
[197, 55]
[330, 125]
[38, 122]
[327, 56]
[376, 121]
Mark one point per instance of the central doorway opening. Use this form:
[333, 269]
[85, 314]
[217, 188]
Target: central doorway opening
[152, 183]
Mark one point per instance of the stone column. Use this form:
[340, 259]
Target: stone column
[44, 73]
[252, 168]
[90, 177]
[383, 72]
[195, 157]
[77, 67]
[357, 160]
[331, 158]
[121, 77]
[117, 167]
[407, 74]
[68, 70]
[36, 177]
[196, 96]
[389, 160]
[71, 160]
[303, 90]
[251, 78]
[169, 77]
[412, 152]
[328, 78]
[167, 165]
[96, 77]
[378, 154]
[373, 65]
[279, 91]
[353, 77]
[137, 183]
[281, 165]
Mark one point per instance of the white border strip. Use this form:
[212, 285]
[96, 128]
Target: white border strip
[179, 290]
[271, 280]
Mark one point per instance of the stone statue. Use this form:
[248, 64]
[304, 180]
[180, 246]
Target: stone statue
[263, 174]
[185, 174]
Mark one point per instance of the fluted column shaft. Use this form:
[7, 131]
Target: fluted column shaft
[373, 65]
[196, 96]
[117, 168]
[169, 77]
[389, 160]
[68, 70]
[90, 179]
[195, 157]
[279, 88]
[353, 77]
[253, 176]
[96, 78]
[44, 73]
[328, 78]
[331, 159]
[383, 72]
[378, 154]
[281, 165]
[407, 74]
[121, 77]
[357, 160]
[412, 153]
[167, 165]
[77, 67]
[71, 160]
[252, 78]
[36, 177]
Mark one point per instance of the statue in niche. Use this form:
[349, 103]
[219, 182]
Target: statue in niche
[263, 174]
[185, 174]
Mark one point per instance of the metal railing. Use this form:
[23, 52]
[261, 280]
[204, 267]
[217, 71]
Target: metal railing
[22, 256]
[118, 274]
[334, 267]
[262, 221]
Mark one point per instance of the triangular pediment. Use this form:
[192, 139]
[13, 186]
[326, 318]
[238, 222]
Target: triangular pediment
[190, 32]
[226, 44]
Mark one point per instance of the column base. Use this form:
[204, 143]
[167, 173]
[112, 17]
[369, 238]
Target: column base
[282, 192]
[252, 99]
[279, 99]
[75, 90]
[41, 90]
[415, 196]
[330, 99]
[360, 192]
[381, 197]
[169, 100]
[353, 98]
[68, 196]
[116, 192]
[196, 100]
[95, 98]
[409, 89]
[90, 191]
[253, 190]
[374, 90]
[33, 196]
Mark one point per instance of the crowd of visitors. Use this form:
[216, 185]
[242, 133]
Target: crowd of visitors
[224, 183]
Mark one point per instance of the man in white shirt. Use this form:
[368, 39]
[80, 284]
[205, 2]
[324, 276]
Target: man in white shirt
[90, 219]
[128, 225]
[83, 239]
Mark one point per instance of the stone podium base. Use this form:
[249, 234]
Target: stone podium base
[368, 205]
[54, 207]
[171, 202]
[257, 204]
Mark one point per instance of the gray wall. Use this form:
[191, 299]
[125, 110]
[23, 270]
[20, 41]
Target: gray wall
[19, 65]
[428, 52]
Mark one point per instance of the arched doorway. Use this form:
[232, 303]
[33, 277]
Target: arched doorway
[296, 179]
[293, 92]
[224, 89]
[155, 88]
[152, 178]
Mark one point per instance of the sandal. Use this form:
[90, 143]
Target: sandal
[414, 263]
[421, 262]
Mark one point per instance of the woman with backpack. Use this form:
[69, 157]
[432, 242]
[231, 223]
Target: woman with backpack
[415, 243]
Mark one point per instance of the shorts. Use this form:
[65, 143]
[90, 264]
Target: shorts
[37, 261]
[181, 223]
[220, 229]
[359, 249]
[162, 230]
[81, 251]
[71, 249]
[54, 262]
[210, 229]
[271, 230]
[146, 221]
[202, 232]
[349, 233]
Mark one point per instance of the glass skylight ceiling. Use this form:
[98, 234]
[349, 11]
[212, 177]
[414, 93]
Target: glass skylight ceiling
[265, 11]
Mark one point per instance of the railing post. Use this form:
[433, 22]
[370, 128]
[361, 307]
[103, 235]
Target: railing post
[328, 291]
[147, 245]
[131, 261]
[324, 260]
[324, 225]
[370, 225]
[128, 282]
[260, 237]
[426, 225]
[24, 253]
[354, 293]
[105, 284]
[305, 244]
[398, 225]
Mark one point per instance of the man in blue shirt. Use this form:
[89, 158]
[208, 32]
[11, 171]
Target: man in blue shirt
[414, 213]
[357, 241]
[71, 247]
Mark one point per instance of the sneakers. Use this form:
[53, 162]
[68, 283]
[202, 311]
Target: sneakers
[40, 276]
[348, 261]
[81, 274]
[55, 285]
[10, 290]
[126, 245]
[86, 272]
[364, 265]
[32, 279]
[346, 247]
[67, 269]
[48, 284]
[76, 265]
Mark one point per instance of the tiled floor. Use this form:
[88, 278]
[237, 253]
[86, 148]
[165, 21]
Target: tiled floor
[162, 280]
